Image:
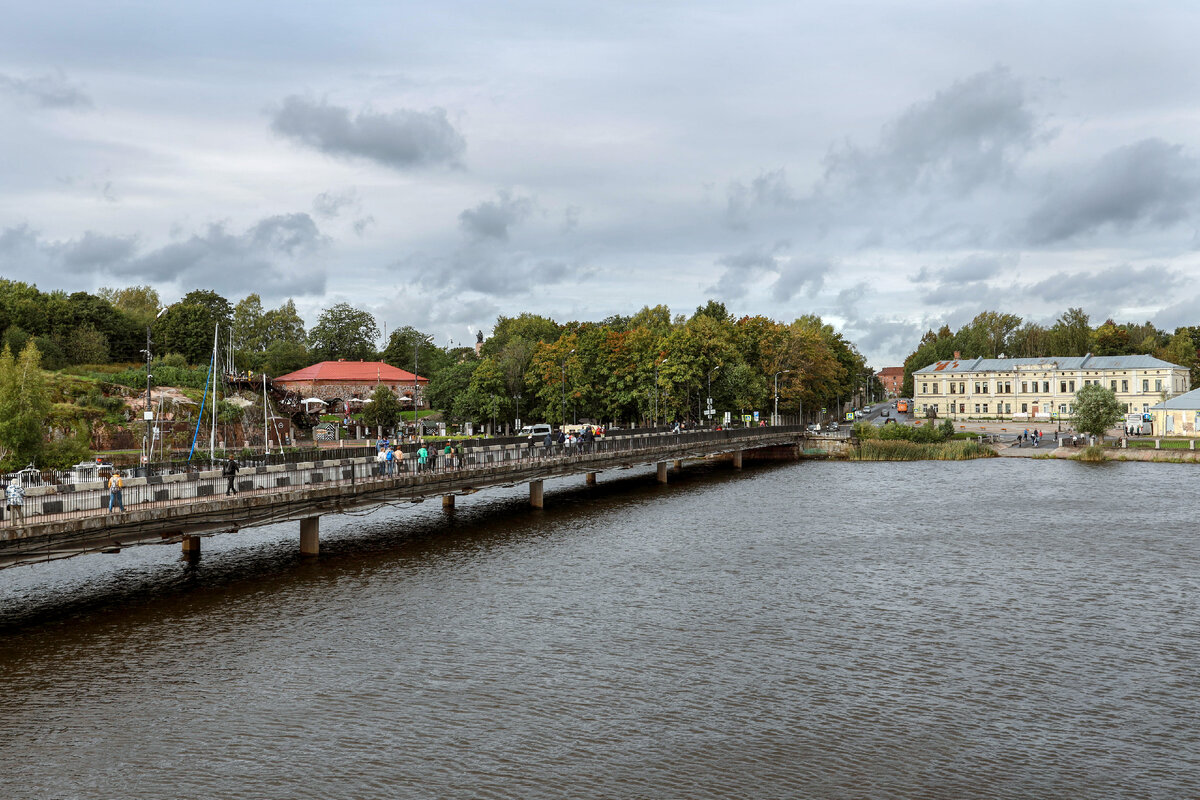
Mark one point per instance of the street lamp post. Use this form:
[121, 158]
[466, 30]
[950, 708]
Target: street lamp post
[775, 416]
[148, 414]
[656, 365]
[517, 397]
[710, 374]
[564, 388]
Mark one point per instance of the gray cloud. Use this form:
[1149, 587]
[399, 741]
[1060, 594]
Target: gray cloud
[893, 336]
[485, 273]
[848, 301]
[330, 204]
[273, 257]
[770, 190]
[1148, 183]
[491, 219]
[742, 269]
[51, 90]
[798, 274]
[400, 139]
[968, 134]
[1110, 288]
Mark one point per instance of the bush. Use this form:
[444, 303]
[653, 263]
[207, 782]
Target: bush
[901, 450]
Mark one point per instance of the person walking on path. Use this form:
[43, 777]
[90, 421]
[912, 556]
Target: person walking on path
[15, 498]
[422, 458]
[115, 484]
[390, 460]
[230, 471]
[381, 463]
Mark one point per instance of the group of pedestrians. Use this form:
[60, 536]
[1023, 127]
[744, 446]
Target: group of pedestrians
[1035, 437]
[568, 443]
[426, 457]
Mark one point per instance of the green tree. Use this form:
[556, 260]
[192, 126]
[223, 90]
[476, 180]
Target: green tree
[283, 324]
[188, 326]
[282, 357]
[141, 303]
[24, 406]
[530, 327]
[1096, 410]
[451, 383]
[342, 331]
[407, 343]
[384, 408]
[249, 328]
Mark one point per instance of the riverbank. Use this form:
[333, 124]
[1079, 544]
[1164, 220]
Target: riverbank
[1168, 456]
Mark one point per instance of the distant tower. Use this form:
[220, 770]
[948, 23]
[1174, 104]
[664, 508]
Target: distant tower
[478, 342]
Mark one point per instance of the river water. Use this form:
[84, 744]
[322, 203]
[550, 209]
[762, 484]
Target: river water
[990, 629]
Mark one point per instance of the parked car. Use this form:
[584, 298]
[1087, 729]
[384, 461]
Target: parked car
[813, 427]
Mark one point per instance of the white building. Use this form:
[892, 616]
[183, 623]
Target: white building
[1041, 388]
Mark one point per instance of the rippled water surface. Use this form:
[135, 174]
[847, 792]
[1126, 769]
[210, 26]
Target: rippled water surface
[992, 629]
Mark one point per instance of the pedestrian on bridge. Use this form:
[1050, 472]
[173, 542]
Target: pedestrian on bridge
[115, 484]
[422, 458]
[231, 471]
[15, 497]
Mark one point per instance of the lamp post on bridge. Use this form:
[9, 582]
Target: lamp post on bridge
[775, 416]
[564, 388]
[709, 398]
[656, 365]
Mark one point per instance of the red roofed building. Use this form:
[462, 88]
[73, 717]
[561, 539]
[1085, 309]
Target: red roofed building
[348, 381]
[892, 379]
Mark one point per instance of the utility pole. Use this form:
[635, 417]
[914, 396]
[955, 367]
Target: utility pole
[564, 388]
[656, 365]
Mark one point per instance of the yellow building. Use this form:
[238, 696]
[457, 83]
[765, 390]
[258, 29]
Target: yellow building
[1179, 416]
[1041, 388]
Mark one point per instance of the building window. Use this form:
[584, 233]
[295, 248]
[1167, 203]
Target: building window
[1124, 386]
[1062, 387]
[1008, 387]
[1114, 385]
[1072, 389]
[985, 405]
[924, 388]
[1024, 408]
[977, 388]
[1045, 387]
[977, 408]
[962, 408]
[962, 387]
[935, 391]
[1158, 385]
[1024, 387]
[1145, 386]
[1062, 409]
[1008, 408]
[951, 387]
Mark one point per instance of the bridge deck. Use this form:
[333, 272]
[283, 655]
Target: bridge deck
[64, 523]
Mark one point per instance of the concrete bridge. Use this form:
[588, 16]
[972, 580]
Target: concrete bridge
[62, 521]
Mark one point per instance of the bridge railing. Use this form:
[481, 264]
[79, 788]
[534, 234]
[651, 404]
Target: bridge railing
[55, 503]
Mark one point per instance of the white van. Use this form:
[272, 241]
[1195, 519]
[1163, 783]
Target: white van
[535, 430]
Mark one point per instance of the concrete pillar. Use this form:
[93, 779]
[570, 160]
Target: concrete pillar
[662, 472]
[591, 479]
[678, 464]
[310, 536]
[447, 501]
[535, 494]
[737, 459]
[191, 545]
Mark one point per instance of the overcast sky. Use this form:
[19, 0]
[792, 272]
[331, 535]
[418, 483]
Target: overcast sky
[888, 165]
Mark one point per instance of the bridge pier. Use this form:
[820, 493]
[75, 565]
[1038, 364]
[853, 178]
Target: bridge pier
[447, 501]
[678, 464]
[191, 546]
[535, 494]
[662, 472]
[737, 459]
[591, 479]
[310, 536]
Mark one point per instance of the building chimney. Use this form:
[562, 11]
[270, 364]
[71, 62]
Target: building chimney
[957, 355]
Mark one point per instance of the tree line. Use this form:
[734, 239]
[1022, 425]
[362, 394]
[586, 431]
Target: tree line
[993, 334]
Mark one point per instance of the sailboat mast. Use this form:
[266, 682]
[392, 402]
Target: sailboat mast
[212, 436]
[266, 436]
